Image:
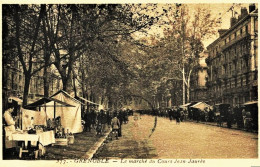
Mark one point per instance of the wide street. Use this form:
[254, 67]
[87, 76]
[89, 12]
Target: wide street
[187, 140]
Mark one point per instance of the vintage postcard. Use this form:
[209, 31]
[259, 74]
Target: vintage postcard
[147, 83]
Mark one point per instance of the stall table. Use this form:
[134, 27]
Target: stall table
[40, 140]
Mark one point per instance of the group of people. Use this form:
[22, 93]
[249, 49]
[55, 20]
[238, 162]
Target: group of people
[232, 115]
[103, 119]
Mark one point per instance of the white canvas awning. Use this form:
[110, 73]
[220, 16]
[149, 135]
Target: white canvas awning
[70, 116]
[251, 102]
[201, 105]
[185, 105]
[88, 101]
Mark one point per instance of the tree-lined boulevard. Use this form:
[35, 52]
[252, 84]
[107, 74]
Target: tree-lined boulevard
[189, 140]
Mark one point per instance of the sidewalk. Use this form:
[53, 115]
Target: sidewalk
[234, 126]
[86, 144]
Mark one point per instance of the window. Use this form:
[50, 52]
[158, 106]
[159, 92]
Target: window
[235, 35]
[241, 31]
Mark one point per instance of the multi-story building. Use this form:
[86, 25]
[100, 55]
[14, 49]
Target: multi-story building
[232, 61]
[13, 83]
[198, 89]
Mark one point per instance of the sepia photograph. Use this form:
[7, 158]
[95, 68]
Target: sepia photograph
[166, 83]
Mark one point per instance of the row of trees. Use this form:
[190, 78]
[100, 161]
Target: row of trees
[108, 49]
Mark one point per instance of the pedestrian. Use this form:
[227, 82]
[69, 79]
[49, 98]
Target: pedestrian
[87, 120]
[248, 121]
[9, 122]
[178, 116]
[120, 117]
[103, 120]
[239, 117]
[109, 118]
[198, 114]
[125, 117]
[229, 117]
[244, 116]
[182, 115]
[115, 123]
[211, 115]
[93, 117]
[170, 114]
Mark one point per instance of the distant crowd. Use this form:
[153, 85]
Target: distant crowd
[230, 116]
[101, 120]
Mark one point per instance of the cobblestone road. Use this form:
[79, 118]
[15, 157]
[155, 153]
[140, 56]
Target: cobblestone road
[187, 140]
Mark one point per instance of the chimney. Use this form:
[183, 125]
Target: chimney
[222, 31]
[233, 21]
[243, 12]
[251, 7]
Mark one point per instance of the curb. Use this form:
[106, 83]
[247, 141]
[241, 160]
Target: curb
[93, 150]
[210, 124]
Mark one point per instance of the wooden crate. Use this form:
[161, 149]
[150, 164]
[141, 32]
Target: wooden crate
[61, 141]
[70, 139]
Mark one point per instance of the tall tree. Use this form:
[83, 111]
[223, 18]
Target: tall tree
[27, 21]
[190, 28]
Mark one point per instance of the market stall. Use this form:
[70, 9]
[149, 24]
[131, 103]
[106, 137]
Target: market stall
[33, 142]
[70, 117]
[34, 127]
[46, 110]
[201, 105]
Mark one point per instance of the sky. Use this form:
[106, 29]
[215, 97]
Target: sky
[222, 11]
[218, 10]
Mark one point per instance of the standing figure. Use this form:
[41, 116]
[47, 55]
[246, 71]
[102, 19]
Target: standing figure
[103, 121]
[229, 118]
[120, 117]
[109, 118]
[9, 145]
[248, 121]
[87, 120]
[115, 125]
[178, 116]
[9, 120]
[171, 115]
[93, 117]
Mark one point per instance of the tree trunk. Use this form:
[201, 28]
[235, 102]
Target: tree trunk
[64, 83]
[26, 89]
[46, 82]
[74, 85]
[183, 85]
[188, 92]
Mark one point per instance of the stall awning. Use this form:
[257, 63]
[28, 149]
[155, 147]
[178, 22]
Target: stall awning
[251, 102]
[42, 103]
[201, 105]
[88, 101]
[20, 101]
[185, 105]
[68, 95]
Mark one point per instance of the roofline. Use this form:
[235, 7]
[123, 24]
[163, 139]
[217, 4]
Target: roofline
[66, 93]
[252, 14]
[239, 22]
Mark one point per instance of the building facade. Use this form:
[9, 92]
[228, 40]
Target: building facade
[13, 83]
[232, 61]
